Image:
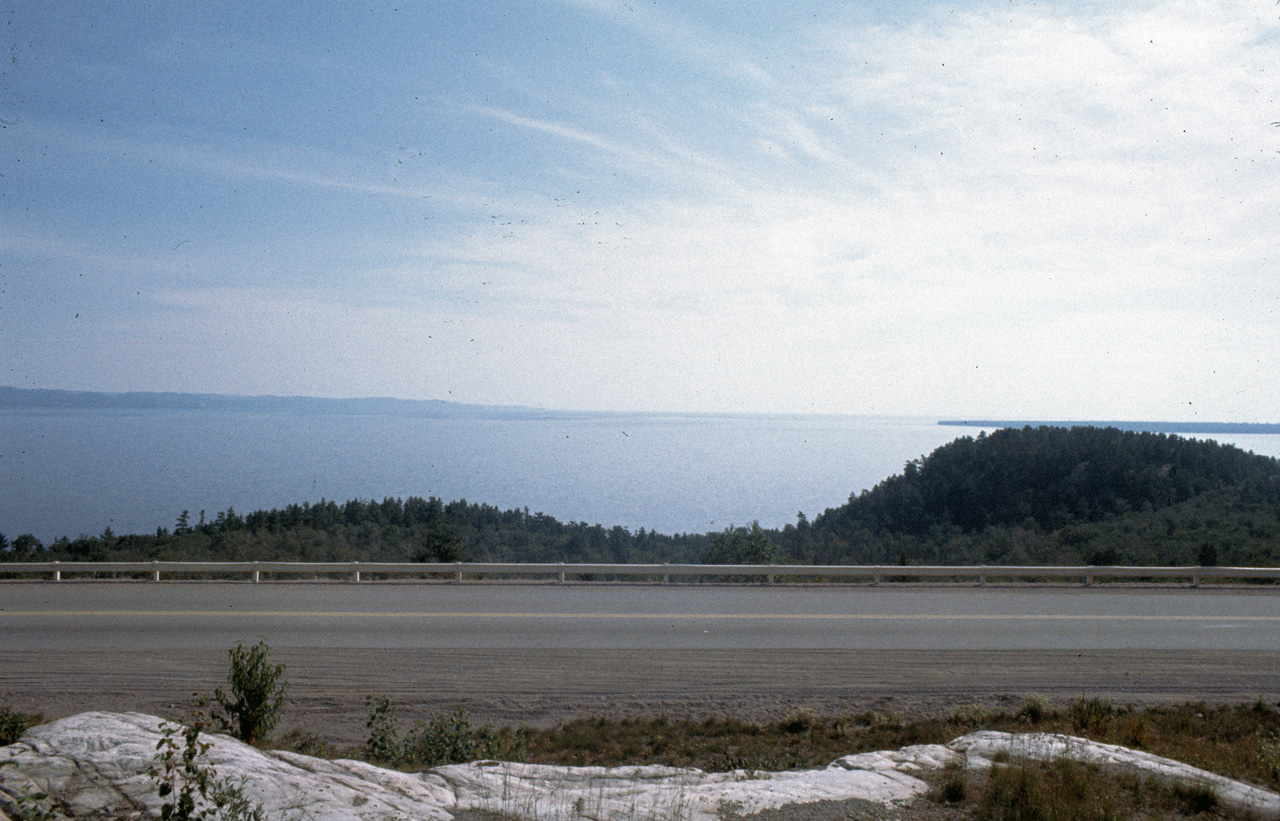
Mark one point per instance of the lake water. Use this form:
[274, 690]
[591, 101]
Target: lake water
[79, 471]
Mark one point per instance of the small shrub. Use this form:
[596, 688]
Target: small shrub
[1269, 757]
[1196, 797]
[1090, 715]
[384, 743]
[253, 707]
[192, 786]
[306, 743]
[1035, 708]
[951, 789]
[1062, 789]
[14, 724]
[1133, 731]
[969, 715]
[448, 740]
[799, 721]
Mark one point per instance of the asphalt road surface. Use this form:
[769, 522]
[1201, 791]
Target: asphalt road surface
[544, 653]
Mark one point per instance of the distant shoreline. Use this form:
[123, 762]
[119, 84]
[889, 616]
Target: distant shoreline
[1141, 427]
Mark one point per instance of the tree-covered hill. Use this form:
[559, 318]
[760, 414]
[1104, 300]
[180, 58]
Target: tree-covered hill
[1043, 495]
[1051, 476]
[1052, 494]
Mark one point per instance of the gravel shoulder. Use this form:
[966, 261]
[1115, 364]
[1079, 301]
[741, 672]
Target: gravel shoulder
[546, 687]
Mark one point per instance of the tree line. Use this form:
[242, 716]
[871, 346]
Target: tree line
[1042, 495]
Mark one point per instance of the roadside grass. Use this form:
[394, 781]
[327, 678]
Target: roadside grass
[1240, 741]
[1062, 790]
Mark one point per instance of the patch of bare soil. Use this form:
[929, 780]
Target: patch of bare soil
[546, 687]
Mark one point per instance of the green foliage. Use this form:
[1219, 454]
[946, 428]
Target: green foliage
[1057, 791]
[258, 688]
[1197, 797]
[1050, 495]
[448, 739]
[441, 739]
[742, 545]
[1034, 709]
[950, 788]
[191, 785]
[1090, 715]
[28, 804]
[802, 720]
[179, 778]
[384, 744]
[1050, 477]
[1019, 497]
[13, 724]
[391, 530]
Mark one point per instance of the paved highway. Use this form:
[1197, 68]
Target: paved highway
[533, 652]
[74, 615]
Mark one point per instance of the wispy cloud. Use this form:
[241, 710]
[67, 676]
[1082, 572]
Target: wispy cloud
[147, 149]
[1053, 209]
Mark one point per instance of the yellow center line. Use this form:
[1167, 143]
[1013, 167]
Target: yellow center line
[307, 614]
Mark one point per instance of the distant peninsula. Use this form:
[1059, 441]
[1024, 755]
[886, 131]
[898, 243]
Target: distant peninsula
[1137, 427]
[45, 399]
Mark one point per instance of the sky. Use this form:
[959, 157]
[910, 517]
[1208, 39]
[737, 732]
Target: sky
[1018, 210]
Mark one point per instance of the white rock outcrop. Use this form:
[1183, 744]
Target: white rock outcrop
[97, 764]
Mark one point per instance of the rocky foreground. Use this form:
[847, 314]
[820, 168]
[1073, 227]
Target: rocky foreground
[100, 765]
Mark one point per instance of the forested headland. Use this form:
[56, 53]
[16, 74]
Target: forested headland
[1028, 496]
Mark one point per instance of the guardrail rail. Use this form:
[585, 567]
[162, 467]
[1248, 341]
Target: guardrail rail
[665, 573]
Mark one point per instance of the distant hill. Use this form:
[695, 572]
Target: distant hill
[1146, 427]
[1042, 495]
[1051, 476]
[36, 399]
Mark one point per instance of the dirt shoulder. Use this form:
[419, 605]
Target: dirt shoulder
[545, 687]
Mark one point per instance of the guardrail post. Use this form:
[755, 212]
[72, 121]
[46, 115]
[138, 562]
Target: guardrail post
[1088, 580]
[257, 574]
[666, 577]
[57, 574]
[562, 572]
[1195, 581]
[770, 578]
[155, 573]
[875, 579]
[356, 575]
[982, 581]
[458, 576]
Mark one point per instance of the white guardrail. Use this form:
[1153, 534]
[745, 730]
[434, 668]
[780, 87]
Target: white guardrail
[460, 571]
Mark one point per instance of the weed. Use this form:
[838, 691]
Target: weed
[14, 724]
[192, 786]
[1269, 757]
[258, 688]
[951, 788]
[384, 743]
[1031, 791]
[29, 805]
[447, 739]
[969, 716]
[1197, 797]
[800, 721]
[1034, 709]
[307, 743]
[1090, 715]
